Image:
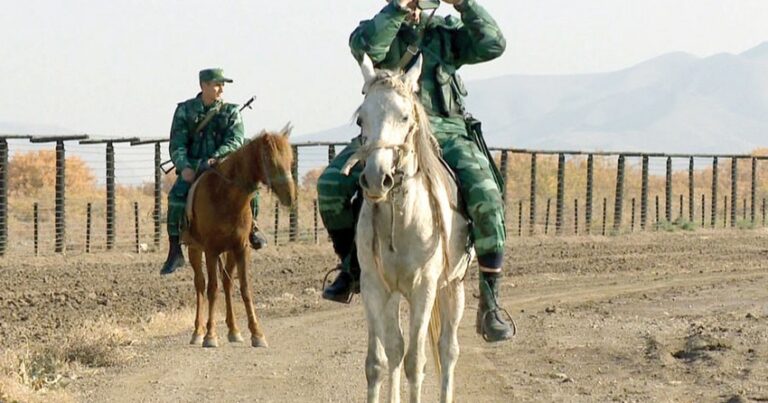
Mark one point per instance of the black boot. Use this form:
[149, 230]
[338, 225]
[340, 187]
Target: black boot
[175, 257]
[256, 238]
[347, 283]
[491, 318]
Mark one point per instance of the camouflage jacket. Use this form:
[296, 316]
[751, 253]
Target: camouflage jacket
[222, 135]
[447, 45]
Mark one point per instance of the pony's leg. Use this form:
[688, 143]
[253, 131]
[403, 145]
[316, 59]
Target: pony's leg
[257, 335]
[451, 310]
[211, 263]
[234, 335]
[421, 302]
[374, 300]
[196, 260]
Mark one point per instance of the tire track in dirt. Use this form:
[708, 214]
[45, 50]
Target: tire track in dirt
[319, 356]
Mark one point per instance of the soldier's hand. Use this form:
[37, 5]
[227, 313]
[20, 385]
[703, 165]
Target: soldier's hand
[188, 175]
[212, 162]
[406, 4]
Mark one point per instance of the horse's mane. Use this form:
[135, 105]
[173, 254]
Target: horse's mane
[241, 162]
[425, 145]
[427, 151]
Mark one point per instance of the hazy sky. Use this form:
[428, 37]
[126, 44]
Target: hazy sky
[119, 67]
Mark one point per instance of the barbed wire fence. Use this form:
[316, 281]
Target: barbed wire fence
[547, 193]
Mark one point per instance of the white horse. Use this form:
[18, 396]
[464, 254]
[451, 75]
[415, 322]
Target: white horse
[411, 236]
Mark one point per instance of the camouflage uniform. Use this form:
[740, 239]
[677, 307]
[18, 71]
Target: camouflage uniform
[447, 45]
[222, 135]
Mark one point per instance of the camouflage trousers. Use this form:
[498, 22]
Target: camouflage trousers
[478, 189]
[177, 202]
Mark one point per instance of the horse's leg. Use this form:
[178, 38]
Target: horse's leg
[196, 260]
[257, 335]
[234, 335]
[211, 263]
[394, 345]
[451, 310]
[374, 300]
[421, 300]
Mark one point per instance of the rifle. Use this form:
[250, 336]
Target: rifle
[247, 104]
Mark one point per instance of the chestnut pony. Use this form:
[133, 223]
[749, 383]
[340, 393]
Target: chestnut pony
[219, 223]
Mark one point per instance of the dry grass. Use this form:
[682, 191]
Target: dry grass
[41, 373]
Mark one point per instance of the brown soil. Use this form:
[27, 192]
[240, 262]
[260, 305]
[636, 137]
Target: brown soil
[647, 317]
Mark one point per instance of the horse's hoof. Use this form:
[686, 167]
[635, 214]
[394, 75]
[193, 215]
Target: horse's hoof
[197, 339]
[211, 342]
[259, 341]
[235, 337]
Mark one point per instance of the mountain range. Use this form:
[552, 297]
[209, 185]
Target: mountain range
[676, 102]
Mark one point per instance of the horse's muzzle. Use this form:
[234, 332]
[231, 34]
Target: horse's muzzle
[375, 187]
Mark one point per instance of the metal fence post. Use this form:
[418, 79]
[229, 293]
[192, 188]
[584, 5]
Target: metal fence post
[532, 208]
[753, 190]
[294, 214]
[713, 217]
[88, 222]
[605, 212]
[560, 194]
[576, 216]
[520, 218]
[331, 153]
[546, 219]
[36, 225]
[618, 208]
[314, 212]
[734, 188]
[3, 195]
[504, 169]
[157, 211]
[632, 228]
[644, 195]
[110, 195]
[277, 220]
[590, 193]
[703, 208]
[691, 194]
[60, 197]
[668, 191]
[136, 224]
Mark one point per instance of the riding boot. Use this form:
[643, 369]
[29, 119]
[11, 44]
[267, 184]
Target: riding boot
[347, 283]
[256, 238]
[491, 323]
[175, 257]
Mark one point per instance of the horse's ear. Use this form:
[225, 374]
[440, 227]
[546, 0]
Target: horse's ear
[369, 72]
[287, 129]
[411, 77]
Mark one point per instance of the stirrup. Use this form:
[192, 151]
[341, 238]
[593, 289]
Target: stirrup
[328, 273]
[483, 330]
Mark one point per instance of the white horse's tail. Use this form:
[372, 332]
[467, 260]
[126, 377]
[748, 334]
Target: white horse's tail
[434, 334]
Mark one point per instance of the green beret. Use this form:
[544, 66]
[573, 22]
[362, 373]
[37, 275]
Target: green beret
[216, 75]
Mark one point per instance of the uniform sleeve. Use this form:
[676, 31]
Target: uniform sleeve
[234, 134]
[375, 36]
[479, 39]
[177, 147]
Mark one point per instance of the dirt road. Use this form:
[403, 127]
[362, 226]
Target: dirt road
[650, 317]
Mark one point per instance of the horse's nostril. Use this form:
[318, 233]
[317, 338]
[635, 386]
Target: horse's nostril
[388, 181]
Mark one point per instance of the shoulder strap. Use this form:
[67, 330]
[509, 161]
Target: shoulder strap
[413, 49]
[208, 116]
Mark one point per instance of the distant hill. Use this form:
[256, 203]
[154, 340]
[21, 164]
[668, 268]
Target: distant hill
[674, 103]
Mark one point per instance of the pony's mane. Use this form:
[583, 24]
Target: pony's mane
[266, 144]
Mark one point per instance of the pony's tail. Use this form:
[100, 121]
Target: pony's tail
[434, 334]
